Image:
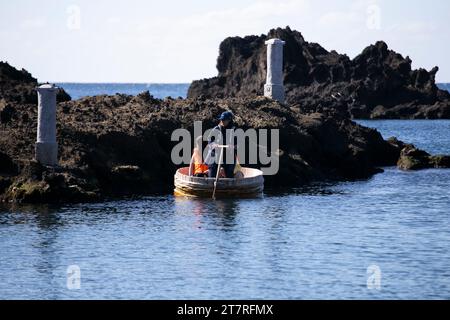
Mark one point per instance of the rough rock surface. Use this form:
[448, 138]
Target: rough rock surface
[120, 145]
[379, 83]
[18, 86]
[412, 158]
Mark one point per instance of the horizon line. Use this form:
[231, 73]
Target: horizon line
[115, 82]
[147, 83]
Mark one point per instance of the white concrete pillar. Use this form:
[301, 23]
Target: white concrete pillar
[46, 146]
[274, 87]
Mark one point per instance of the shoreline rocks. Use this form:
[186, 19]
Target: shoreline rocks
[116, 146]
[412, 158]
[377, 84]
[120, 145]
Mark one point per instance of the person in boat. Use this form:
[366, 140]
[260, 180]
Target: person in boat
[198, 167]
[218, 136]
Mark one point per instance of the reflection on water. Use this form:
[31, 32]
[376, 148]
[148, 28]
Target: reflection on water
[312, 242]
[221, 212]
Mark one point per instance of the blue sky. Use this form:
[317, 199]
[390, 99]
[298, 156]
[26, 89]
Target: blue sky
[177, 41]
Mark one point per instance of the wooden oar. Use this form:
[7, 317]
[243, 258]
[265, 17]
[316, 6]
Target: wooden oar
[218, 169]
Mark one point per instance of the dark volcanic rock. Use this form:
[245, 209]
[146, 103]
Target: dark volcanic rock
[20, 87]
[440, 161]
[7, 166]
[412, 158]
[6, 112]
[38, 184]
[120, 145]
[378, 83]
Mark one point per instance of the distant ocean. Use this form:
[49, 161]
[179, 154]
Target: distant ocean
[444, 86]
[158, 90]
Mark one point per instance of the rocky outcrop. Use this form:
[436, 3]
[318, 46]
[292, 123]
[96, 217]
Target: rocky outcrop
[379, 83]
[18, 86]
[412, 158]
[39, 184]
[120, 145]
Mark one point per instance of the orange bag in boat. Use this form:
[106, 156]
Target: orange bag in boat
[200, 168]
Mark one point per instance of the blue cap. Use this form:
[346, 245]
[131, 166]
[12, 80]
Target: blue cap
[227, 115]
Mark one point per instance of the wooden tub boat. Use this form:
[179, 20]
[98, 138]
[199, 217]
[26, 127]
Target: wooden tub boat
[252, 184]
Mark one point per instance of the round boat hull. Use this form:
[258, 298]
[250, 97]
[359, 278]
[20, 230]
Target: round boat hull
[250, 186]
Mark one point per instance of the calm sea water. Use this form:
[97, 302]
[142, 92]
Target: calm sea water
[311, 242]
[158, 90]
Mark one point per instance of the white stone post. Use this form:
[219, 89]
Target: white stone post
[274, 87]
[46, 146]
